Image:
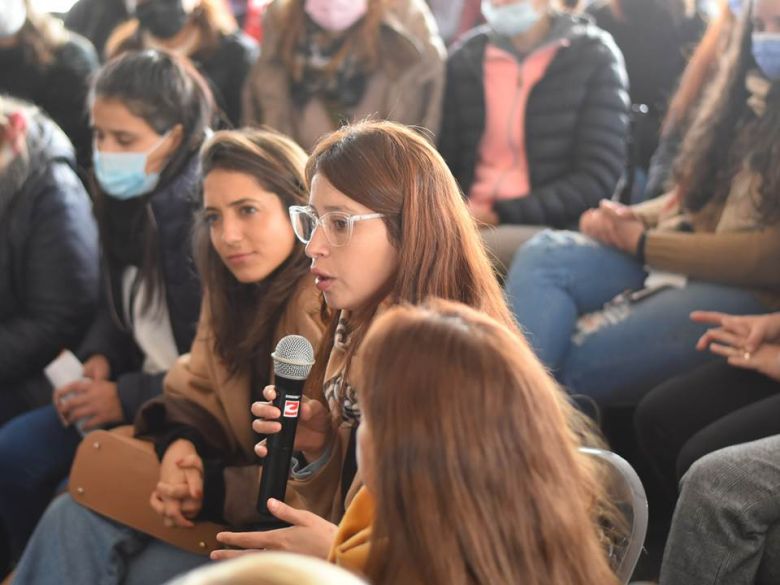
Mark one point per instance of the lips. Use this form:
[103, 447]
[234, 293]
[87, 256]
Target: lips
[322, 280]
[239, 258]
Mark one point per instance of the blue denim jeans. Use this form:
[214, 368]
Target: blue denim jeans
[558, 276]
[36, 453]
[74, 545]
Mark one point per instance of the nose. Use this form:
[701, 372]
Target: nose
[318, 245]
[231, 231]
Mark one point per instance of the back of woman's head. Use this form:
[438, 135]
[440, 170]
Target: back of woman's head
[726, 134]
[164, 91]
[395, 171]
[245, 315]
[476, 472]
[271, 568]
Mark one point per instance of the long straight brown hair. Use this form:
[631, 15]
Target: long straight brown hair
[393, 170]
[478, 479]
[245, 315]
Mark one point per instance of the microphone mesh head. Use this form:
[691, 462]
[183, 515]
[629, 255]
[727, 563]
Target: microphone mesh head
[293, 357]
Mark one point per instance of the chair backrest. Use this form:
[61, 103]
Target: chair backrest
[629, 497]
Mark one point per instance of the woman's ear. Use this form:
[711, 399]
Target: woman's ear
[176, 136]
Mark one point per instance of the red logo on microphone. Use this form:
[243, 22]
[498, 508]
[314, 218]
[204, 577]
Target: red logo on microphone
[291, 408]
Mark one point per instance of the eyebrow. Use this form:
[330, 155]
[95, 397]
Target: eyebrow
[343, 208]
[113, 132]
[237, 203]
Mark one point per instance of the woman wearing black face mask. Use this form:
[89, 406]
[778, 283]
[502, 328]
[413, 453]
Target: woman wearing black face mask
[203, 31]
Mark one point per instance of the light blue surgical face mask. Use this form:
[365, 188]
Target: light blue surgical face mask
[766, 52]
[511, 19]
[122, 175]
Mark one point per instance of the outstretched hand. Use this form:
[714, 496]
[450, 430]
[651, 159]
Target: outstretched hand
[308, 534]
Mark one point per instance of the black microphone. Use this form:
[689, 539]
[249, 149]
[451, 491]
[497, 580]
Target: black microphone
[293, 359]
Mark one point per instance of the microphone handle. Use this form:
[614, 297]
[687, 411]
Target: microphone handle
[276, 465]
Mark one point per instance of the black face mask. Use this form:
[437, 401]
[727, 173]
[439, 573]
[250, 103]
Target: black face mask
[162, 18]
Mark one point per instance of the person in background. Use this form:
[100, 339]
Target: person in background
[48, 254]
[455, 17]
[571, 5]
[718, 230]
[43, 63]
[327, 62]
[699, 412]
[205, 32]
[249, 15]
[726, 525]
[526, 153]
[48, 260]
[656, 38]
[688, 95]
[150, 113]
[96, 19]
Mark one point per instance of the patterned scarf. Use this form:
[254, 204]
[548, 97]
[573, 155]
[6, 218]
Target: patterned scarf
[340, 394]
[758, 86]
[340, 90]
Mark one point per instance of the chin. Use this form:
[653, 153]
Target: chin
[250, 276]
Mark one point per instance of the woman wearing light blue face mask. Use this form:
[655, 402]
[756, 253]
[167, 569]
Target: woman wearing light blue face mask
[766, 40]
[150, 113]
[535, 120]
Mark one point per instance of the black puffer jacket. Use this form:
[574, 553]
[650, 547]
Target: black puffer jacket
[171, 208]
[59, 87]
[576, 123]
[48, 262]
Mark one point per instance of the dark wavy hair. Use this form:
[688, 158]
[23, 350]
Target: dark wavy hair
[244, 316]
[725, 134]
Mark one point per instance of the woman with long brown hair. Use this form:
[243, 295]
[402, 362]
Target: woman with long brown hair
[385, 225]
[476, 487]
[257, 290]
[205, 32]
[327, 62]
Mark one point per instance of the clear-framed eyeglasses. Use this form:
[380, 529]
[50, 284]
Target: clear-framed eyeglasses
[336, 225]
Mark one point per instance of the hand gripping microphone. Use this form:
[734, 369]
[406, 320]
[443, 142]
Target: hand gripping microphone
[293, 359]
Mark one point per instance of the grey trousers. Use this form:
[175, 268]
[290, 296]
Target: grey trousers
[726, 527]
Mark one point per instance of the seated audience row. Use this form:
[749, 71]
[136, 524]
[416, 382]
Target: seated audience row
[716, 229]
[386, 237]
[147, 103]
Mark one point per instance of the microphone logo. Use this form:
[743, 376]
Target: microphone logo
[291, 408]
